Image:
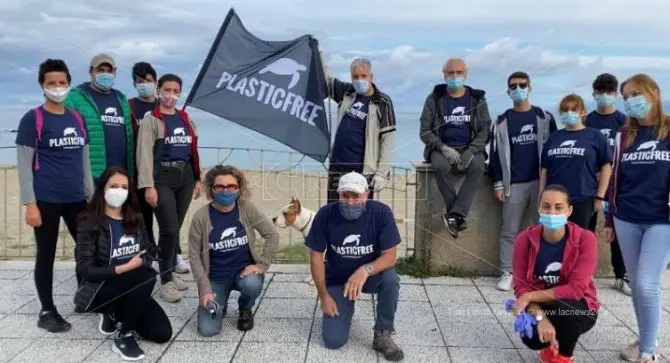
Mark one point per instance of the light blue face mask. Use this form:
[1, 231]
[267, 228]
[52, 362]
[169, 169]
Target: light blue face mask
[569, 118]
[637, 107]
[455, 82]
[351, 211]
[146, 89]
[226, 198]
[553, 222]
[604, 99]
[362, 86]
[519, 94]
[104, 81]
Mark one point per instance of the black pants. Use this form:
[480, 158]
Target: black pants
[46, 238]
[128, 297]
[582, 213]
[335, 171]
[457, 201]
[174, 186]
[571, 319]
[615, 251]
[147, 215]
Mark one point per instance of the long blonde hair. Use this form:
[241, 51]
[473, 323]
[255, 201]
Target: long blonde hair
[652, 92]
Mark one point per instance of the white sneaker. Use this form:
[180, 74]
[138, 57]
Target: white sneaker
[181, 267]
[155, 266]
[647, 358]
[622, 286]
[505, 282]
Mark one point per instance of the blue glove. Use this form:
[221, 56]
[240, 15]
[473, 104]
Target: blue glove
[523, 323]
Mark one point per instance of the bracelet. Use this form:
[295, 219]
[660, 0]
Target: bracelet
[598, 198]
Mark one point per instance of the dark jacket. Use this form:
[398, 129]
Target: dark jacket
[432, 120]
[92, 256]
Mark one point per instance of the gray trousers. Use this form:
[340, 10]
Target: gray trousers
[522, 196]
[457, 201]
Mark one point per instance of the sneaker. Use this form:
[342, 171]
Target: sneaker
[169, 293]
[246, 320]
[51, 321]
[548, 355]
[107, 325]
[155, 266]
[462, 223]
[563, 359]
[622, 286]
[181, 267]
[384, 344]
[505, 282]
[125, 345]
[451, 223]
[647, 358]
[179, 283]
[631, 353]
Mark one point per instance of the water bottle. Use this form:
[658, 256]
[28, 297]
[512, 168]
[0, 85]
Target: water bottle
[213, 307]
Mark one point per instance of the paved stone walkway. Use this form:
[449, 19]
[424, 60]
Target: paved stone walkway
[442, 319]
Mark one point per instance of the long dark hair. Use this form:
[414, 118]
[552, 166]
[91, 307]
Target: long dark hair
[94, 213]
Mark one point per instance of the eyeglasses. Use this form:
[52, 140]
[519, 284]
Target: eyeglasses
[229, 187]
[514, 86]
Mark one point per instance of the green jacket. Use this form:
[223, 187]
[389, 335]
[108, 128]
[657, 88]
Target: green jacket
[81, 100]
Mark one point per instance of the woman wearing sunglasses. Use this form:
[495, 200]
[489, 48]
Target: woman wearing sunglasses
[578, 158]
[224, 252]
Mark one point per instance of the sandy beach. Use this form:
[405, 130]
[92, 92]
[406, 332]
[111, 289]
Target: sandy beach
[270, 190]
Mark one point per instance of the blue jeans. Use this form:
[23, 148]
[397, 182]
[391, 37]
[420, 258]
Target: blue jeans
[335, 330]
[645, 250]
[249, 286]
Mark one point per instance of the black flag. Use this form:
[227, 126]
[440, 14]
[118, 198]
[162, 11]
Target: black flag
[276, 88]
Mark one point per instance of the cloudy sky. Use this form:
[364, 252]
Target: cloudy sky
[563, 45]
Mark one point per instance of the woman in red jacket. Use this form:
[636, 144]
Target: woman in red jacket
[553, 266]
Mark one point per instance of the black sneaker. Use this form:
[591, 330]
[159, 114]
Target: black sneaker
[462, 224]
[246, 320]
[51, 321]
[451, 222]
[125, 345]
[107, 325]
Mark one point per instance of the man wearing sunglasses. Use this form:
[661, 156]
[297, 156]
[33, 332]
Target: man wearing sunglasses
[455, 124]
[517, 137]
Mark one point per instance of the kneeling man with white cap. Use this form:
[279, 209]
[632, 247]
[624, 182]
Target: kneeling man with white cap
[361, 238]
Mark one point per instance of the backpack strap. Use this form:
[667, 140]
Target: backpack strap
[39, 123]
[79, 119]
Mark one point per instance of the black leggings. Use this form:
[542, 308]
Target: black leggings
[147, 215]
[571, 319]
[46, 239]
[582, 213]
[175, 192]
[128, 297]
[615, 251]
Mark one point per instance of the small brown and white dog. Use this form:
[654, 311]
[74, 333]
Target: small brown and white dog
[296, 216]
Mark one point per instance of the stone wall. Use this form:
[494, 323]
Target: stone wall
[476, 250]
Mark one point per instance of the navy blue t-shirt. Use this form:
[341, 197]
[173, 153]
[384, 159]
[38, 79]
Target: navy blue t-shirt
[177, 142]
[549, 261]
[122, 247]
[349, 145]
[354, 243]
[142, 107]
[608, 125]
[114, 124]
[645, 180]
[60, 177]
[456, 130]
[573, 158]
[525, 161]
[229, 251]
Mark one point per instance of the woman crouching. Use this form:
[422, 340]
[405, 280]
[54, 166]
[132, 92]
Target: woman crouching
[114, 258]
[554, 262]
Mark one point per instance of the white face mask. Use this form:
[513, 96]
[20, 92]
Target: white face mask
[115, 197]
[58, 94]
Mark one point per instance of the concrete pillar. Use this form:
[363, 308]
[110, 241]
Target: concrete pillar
[476, 251]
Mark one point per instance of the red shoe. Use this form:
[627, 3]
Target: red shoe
[561, 359]
[548, 355]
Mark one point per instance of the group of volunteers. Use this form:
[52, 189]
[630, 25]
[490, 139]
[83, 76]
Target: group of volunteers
[603, 161]
[107, 165]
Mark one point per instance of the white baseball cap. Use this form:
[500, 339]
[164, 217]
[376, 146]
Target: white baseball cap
[353, 182]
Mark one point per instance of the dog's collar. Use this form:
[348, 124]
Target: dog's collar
[306, 224]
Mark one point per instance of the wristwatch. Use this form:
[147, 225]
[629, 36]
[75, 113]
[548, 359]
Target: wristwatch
[369, 269]
[539, 317]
